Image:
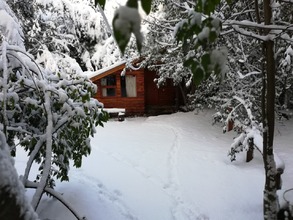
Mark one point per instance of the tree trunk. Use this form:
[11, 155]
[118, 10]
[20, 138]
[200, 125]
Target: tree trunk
[270, 190]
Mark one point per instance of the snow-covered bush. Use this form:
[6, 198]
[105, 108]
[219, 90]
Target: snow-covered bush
[50, 113]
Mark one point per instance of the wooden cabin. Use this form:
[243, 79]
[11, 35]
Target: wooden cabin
[135, 91]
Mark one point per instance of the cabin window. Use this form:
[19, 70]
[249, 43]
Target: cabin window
[108, 85]
[128, 86]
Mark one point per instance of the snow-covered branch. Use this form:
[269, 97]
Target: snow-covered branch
[241, 76]
[32, 158]
[47, 164]
[249, 24]
[161, 20]
[245, 11]
[249, 33]
[57, 196]
[165, 44]
[159, 24]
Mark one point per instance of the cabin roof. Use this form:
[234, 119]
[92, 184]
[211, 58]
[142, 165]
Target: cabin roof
[95, 75]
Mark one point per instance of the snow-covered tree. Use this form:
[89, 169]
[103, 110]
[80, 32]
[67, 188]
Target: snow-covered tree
[262, 25]
[56, 30]
[66, 28]
[108, 52]
[251, 32]
[182, 43]
[162, 52]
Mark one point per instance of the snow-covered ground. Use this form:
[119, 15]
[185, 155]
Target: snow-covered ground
[163, 168]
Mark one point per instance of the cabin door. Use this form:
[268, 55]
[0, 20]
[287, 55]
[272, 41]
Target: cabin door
[151, 90]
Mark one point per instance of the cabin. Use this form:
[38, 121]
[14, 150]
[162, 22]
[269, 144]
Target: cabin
[135, 90]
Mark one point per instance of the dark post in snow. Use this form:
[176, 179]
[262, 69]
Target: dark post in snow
[270, 204]
[249, 154]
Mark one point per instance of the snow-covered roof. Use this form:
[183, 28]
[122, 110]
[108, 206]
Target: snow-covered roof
[107, 70]
[91, 74]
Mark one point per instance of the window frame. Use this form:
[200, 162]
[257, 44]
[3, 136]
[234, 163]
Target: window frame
[123, 85]
[109, 85]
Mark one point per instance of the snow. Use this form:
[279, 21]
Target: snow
[196, 17]
[289, 51]
[10, 28]
[58, 63]
[219, 57]
[204, 34]
[166, 167]
[114, 110]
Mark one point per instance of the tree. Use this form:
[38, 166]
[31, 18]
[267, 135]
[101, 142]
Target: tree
[267, 33]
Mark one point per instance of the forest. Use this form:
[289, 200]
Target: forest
[232, 56]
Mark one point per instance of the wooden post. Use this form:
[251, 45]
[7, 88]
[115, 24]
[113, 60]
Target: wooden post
[278, 178]
[249, 154]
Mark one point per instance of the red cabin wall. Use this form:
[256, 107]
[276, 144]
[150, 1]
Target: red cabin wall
[159, 99]
[133, 105]
[149, 100]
